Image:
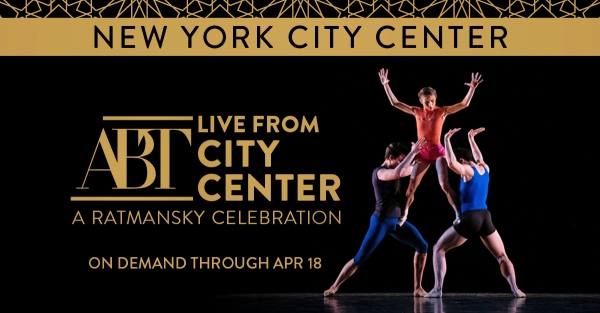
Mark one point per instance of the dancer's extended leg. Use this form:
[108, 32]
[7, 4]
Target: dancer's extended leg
[415, 179]
[449, 240]
[347, 271]
[441, 165]
[494, 243]
[375, 234]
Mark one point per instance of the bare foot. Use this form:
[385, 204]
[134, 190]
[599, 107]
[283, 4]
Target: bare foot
[434, 294]
[419, 292]
[330, 292]
[519, 294]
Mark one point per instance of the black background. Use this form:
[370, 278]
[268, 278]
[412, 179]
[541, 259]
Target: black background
[540, 120]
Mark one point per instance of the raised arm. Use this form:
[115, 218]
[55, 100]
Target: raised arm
[400, 169]
[383, 73]
[475, 81]
[453, 163]
[408, 170]
[474, 148]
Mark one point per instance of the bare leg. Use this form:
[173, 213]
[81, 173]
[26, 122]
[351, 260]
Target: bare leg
[441, 165]
[419, 265]
[415, 179]
[347, 271]
[449, 240]
[494, 243]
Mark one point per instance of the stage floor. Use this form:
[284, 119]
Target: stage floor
[398, 303]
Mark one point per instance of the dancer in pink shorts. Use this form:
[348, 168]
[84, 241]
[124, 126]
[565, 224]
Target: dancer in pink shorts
[430, 119]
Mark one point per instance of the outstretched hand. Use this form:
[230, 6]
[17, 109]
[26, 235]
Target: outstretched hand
[472, 133]
[451, 132]
[383, 73]
[475, 80]
[417, 146]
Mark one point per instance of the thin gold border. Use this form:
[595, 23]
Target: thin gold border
[147, 118]
[132, 198]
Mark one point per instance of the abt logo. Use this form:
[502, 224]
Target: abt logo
[119, 157]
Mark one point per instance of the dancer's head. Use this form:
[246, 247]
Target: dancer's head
[395, 153]
[464, 155]
[428, 97]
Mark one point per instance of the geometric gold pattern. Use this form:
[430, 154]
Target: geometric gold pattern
[300, 8]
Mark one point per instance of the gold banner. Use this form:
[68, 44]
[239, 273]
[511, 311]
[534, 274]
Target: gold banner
[300, 37]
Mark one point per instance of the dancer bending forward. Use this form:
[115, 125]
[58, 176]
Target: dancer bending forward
[388, 217]
[475, 218]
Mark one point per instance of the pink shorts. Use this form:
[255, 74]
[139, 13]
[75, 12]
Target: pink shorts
[431, 154]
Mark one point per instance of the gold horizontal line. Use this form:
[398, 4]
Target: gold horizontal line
[132, 198]
[148, 118]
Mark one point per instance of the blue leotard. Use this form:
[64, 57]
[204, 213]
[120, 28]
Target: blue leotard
[473, 193]
[475, 218]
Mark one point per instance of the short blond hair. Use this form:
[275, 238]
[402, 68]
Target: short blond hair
[426, 91]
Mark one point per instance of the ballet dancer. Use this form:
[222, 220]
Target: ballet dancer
[475, 217]
[430, 119]
[389, 217]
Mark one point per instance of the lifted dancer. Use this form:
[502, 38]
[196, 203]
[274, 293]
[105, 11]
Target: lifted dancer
[430, 119]
[475, 218]
[388, 217]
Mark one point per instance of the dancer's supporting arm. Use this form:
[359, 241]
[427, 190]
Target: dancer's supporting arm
[408, 170]
[475, 149]
[475, 81]
[453, 164]
[400, 169]
[383, 73]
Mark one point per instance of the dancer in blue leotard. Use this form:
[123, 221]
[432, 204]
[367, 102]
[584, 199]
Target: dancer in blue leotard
[388, 217]
[475, 219]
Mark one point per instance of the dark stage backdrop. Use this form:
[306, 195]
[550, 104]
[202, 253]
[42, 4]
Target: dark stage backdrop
[540, 138]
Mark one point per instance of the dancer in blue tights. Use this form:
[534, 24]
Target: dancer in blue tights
[389, 217]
